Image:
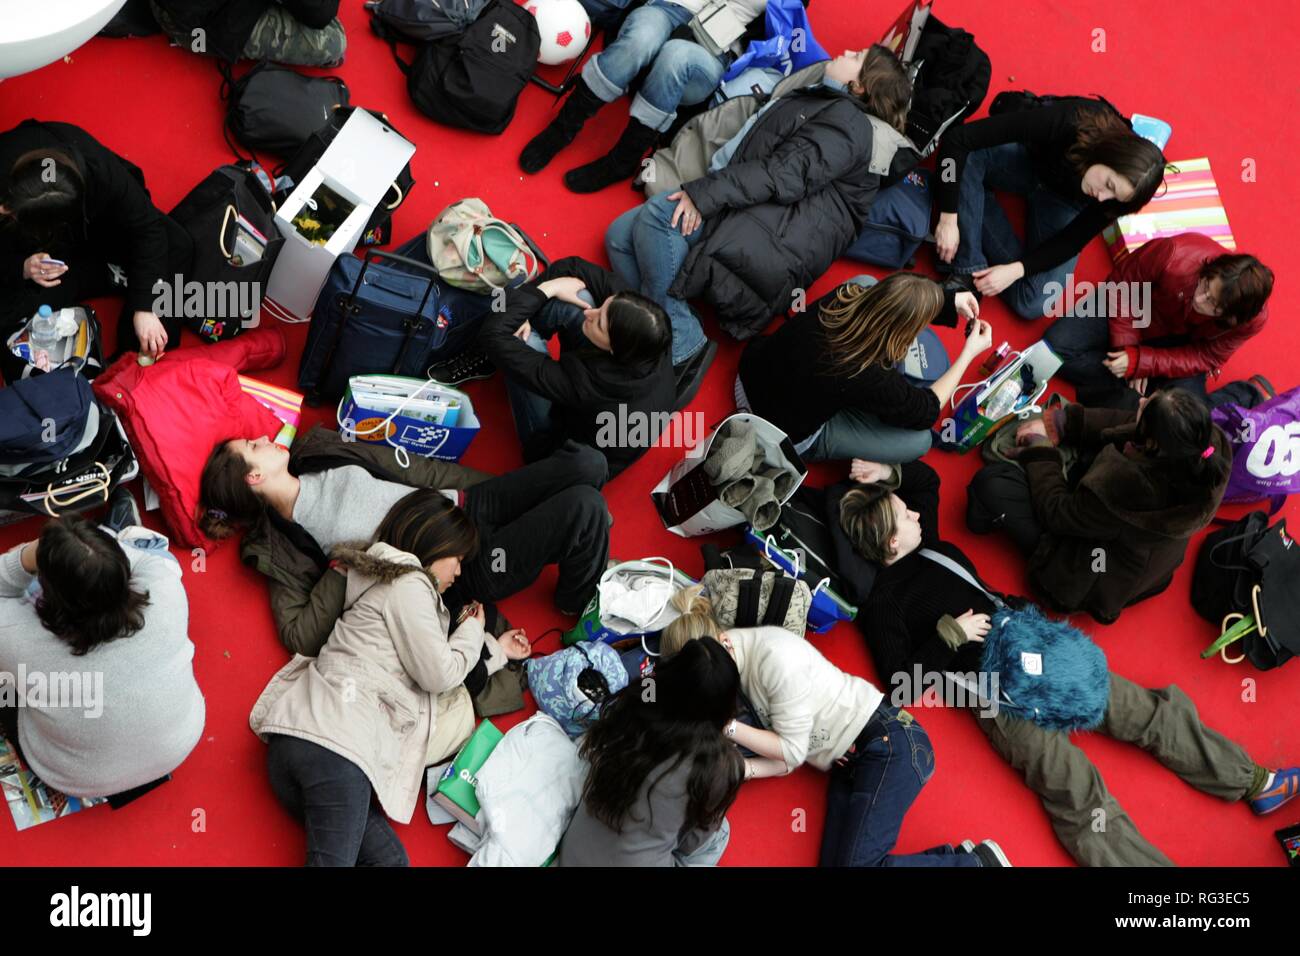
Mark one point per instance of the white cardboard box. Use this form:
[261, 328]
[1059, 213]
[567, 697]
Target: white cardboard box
[359, 165]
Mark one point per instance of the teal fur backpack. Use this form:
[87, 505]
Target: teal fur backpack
[1047, 671]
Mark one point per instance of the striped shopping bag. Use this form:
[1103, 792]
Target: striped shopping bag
[1189, 202]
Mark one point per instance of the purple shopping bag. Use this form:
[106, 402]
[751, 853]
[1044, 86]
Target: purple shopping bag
[1265, 448]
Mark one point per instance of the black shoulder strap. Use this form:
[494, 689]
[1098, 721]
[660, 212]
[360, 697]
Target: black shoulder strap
[712, 555]
[747, 602]
[778, 603]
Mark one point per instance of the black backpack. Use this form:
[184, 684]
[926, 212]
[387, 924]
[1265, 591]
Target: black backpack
[377, 232]
[1250, 569]
[276, 109]
[1016, 101]
[472, 80]
[951, 84]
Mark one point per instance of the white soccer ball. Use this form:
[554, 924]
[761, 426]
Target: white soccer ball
[564, 26]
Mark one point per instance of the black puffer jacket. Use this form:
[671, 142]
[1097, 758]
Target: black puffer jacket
[792, 199]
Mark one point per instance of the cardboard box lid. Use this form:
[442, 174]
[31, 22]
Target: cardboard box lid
[365, 157]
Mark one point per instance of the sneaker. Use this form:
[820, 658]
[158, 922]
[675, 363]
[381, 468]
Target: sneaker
[690, 374]
[990, 854]
[468, 366]
[1286, 785]
[123, 512]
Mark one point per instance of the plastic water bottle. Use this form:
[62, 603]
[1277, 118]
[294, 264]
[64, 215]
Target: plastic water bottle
[44, 334]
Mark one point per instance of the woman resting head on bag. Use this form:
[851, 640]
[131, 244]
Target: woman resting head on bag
[784, 198]
[833, 721]
[1116, 535]
[385, 698]
[852, 402]
[662, 774]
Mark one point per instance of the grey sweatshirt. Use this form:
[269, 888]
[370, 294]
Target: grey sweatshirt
[346, 504]
[651, 833]
[129, 711]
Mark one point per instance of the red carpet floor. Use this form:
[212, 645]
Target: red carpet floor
[1220, 79]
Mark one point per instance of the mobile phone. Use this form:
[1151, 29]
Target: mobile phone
[53, 262]
[970, 327]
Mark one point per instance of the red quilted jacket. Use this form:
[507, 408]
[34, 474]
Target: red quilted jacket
[175, 411]
[1172, 266]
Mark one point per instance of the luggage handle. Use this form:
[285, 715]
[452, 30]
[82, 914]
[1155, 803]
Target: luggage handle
[221, 236]
[372, 254]
[99, 486]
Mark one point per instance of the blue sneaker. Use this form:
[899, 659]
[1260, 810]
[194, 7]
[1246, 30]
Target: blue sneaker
[1286, 785]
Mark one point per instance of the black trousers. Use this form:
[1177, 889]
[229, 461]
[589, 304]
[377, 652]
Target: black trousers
[548, 512]
[96, 268]
[998, 499]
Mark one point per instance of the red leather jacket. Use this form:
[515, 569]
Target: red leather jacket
[1172, 266]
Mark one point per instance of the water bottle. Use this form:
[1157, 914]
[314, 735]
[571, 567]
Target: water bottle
[43, 335]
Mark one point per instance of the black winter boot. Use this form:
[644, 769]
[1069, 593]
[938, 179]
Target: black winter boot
[580, 106]
[621, 162]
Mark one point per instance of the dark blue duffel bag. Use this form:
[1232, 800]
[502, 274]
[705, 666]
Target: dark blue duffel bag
[391, 316]
[42, 419]
[898, 223]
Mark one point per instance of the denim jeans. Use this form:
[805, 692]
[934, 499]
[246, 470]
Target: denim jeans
[683, 71]
[1083, 343]
[647, 253]
[532, 412]
[853, 433]
[332, 797]
[869, 795]
[710, 851]
[548, 512]
[987, 236]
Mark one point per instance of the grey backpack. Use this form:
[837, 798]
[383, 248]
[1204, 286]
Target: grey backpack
[422, 21]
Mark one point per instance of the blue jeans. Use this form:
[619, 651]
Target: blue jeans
[987, 236]
[647, 253]
[683, 71]
[332, 797]
[532, 412]
[1083, 343]
[869, 795]
[709, 852]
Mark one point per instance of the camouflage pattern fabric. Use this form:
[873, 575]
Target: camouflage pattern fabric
[277, 36]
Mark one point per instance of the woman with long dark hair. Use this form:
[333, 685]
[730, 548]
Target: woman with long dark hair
[385, 697]
[662, 774]
[1078, 165]
[1115, 536]
[852, 402]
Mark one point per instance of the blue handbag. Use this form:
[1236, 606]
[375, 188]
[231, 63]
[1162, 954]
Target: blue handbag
[1046, 671]
[391, 316]
[572, 684]
[899, 221]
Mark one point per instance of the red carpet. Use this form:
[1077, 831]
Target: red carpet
[1219, 79]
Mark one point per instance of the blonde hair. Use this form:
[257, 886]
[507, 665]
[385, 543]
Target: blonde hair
[695, 621]
[874, 325]
[867, 518]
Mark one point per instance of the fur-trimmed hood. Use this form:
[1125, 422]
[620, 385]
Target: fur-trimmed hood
[369, 565]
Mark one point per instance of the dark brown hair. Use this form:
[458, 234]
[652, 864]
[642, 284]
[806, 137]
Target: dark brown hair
[1104, 138]
[226, 502]
[426, 524]
[47, 211]
[886, 90]
[1246, 284]
[86, 594]
[1178, 426]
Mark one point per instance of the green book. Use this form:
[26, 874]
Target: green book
[455, 792]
